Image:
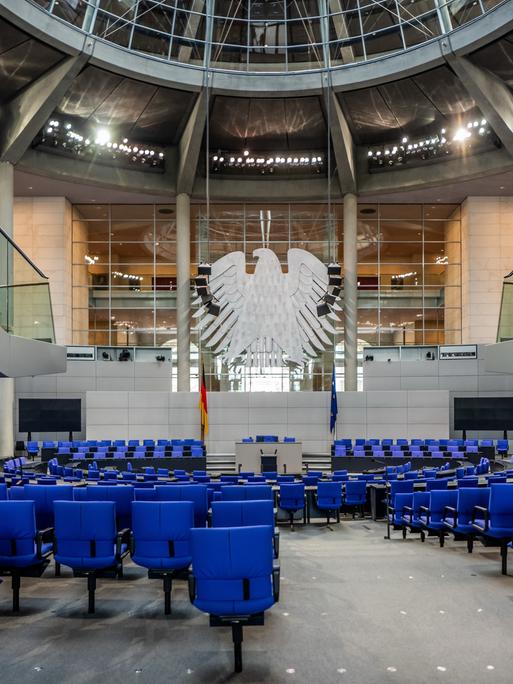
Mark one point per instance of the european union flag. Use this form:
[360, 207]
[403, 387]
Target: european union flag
[334, 405]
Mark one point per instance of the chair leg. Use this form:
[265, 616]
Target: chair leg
[168, 585]
[91, 588]
[422, 536]
[57, 569]
[291, 518]
[237, 646]
[338, 515]
[470, 544]
[404, 532]
[504, 557]
[442, 540]
[16, 583]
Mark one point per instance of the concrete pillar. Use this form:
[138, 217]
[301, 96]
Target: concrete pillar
[6, 384]
[183, 287]
[350, 294]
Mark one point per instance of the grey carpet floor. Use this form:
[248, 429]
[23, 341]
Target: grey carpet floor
[354, 608]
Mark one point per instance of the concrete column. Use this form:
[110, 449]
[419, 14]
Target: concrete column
[6, 384]
[183, 286]
[350, 294]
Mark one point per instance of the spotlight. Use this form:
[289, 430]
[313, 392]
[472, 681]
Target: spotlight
[106, 356]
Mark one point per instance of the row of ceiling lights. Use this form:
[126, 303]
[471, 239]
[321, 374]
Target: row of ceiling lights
[444, 142]
[267, 163]
[101, 146]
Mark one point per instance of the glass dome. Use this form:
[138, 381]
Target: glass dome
[268, 35]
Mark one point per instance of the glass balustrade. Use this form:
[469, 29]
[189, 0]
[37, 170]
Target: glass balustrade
[25, 304]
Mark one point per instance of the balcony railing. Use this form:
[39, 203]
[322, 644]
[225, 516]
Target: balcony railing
[25, 303]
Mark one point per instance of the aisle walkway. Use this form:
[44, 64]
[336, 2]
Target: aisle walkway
[354, 608]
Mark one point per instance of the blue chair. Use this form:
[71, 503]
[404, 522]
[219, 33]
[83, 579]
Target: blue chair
[432, 515]
[197, 493]
[86, 540]
[458, 519]
[256, 478]
[285, 478]
[329, 499]
[43, 497]
[289, 440]
[397, 507]
[234, 578]
[436, 483]
[232, 479]
[245, 492]
[246, 514]
[355, 495]
[32, 449]
[291, 498]
[3, 492]
[411, 514]
[161, 541]
[122, 497]
[270, 475]
[495, 523]
[24, 551]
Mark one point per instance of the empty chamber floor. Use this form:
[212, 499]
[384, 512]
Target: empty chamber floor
[354, 608]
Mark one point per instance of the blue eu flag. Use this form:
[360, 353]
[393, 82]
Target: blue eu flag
[334, 405]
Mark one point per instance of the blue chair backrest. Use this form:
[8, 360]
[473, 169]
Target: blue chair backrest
[502, 444]
[229, 478]
[401, 487]
[242, 513]
[289, 440]
[3, 492]
[468, 482]
[419, 499]
[43, 497]
[292, 495]
[121, 496]
[468, 498]
[329, 493]
[356, 488]
[245, 492]
[157, 523]
[196, 451]
[17, 533]
[285, 478]
[197, 493]
[401, 442]
[224, 560]
[256, 478]
[270, 475]
[501, 505]
[434, 483]
[439, 500]
[77, 525]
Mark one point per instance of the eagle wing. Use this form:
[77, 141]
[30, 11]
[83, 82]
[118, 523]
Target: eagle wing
[228, 283]
[307, 283]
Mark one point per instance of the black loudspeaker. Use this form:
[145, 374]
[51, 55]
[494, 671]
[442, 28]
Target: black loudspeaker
[323, 310]
[204, 269]
[213, 309]
[334, 269]
[335, 280]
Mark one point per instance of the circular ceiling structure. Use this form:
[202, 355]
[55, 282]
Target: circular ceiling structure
[268, 35]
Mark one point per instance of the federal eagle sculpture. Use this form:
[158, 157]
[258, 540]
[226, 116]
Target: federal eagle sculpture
[268, 318]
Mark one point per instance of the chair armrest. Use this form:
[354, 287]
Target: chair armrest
[406, 510]
[486, 516]
[276, 543]
[43, 536]
[452, 511]
[276, 581]
[425, 509]
[192, 587]
[122, 537]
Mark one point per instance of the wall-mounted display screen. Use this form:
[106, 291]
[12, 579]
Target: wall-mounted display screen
[50, 415]
[483, 413]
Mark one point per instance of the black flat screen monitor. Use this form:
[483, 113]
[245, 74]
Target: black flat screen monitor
[483, 413]
[50, 415]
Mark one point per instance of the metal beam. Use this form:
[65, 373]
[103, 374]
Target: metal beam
[492, 96]
[189, 146]
[343, 146]
[26, 114]
[340, 26]
[191, 30]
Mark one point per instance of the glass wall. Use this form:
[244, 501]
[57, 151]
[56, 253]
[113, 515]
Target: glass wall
[124, 275]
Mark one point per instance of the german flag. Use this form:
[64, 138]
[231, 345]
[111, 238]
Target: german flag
[203, 404]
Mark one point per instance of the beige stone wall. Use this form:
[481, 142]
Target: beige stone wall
[487, 256]
[452, 294]
[42, 228]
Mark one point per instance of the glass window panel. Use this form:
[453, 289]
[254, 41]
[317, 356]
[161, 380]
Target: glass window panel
[96, 249]
[219, 249]
[441, 211]
[367, 230]
[91, 212]
[400, 212]
[132, 253]
[402, 253]
[279, 248]
[132, 231]
[368, 252]
[401, 231]
[132, 212]
[90, 231]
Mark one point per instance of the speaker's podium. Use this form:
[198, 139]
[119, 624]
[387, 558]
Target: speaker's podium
[258, 457]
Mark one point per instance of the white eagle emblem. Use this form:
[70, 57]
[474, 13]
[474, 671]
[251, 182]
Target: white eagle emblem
[268, 318]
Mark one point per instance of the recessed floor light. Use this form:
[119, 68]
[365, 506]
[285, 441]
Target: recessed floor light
[441, 668]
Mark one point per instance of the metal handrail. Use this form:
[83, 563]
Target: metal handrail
[22, 253]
